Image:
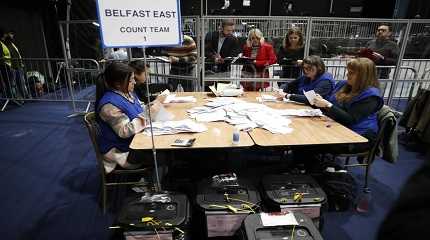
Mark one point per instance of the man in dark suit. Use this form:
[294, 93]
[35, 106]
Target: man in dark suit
[219, 45]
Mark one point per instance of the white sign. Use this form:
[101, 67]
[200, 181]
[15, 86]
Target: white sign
[136, 23]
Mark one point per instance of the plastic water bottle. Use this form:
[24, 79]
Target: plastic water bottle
[236, 136]
[179, 88]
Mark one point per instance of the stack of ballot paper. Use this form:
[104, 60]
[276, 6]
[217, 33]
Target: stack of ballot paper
[226, 90]
[244, 115]
[301, 112]
[266, 98]
[172, 98]
[173, 127]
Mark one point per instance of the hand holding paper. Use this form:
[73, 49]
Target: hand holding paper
[280, 95]
[320, 102]
[310, 95]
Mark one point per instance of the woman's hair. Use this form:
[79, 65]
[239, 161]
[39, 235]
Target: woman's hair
[291, 31]
[316, 61]
[138, 66]
[366, 77]
[116, 74]
[254, 32]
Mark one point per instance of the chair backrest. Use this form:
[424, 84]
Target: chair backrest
[382, 124]
[93, 131]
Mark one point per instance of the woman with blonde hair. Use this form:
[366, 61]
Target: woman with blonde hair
[355, 102]
[262, 54]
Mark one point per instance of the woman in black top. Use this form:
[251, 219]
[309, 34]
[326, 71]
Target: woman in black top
[290, 52]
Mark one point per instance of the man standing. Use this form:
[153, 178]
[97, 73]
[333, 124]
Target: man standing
[16, 64]
[7, 81]
[219, 45]
[384, 51]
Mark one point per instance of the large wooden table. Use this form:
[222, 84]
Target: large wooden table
[306, 130]
[218, 135]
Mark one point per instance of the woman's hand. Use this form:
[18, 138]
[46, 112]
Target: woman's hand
[160, 98]
[155, 108]
[321, 102]
[280, 95]
[142, 119]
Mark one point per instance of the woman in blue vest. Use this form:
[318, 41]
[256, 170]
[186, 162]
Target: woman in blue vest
[120, 116]
[314, 78]
[356, 101]
[354, 104]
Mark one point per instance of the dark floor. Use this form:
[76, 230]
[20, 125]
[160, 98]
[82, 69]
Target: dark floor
[50, 184]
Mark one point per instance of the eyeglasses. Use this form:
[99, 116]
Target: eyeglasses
[307, 67]
[382, 30]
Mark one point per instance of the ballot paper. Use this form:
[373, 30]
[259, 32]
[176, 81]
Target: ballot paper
[163, 115]
[300, 112]
[310, 95]
[278, 219]
[172, 98]
[244, 115]
[227, 90]
[173, 127]
[267, 98]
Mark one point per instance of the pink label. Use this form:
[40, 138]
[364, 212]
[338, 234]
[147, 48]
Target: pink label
[223, 225]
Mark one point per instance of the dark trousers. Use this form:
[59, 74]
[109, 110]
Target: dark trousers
[182, 70]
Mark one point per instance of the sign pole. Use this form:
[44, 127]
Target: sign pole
[154, 151]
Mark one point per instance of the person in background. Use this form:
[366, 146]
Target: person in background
[13, 78]
[314, 78]
[219, 45]
[290, 52]
[356, 101]
[141, 74]
[17, 63]
[182, 62]
[384, 51]
[262, 55]
[120, 116]
[115, 54]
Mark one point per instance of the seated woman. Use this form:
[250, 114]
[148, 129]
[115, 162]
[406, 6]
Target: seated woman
[314, 78]
[261, 54]
[355, 102]
[141, 72]
[120, 116]
[291, 51]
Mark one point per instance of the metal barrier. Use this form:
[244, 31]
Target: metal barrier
[72, 80]
[41, 79]
[425, 79]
